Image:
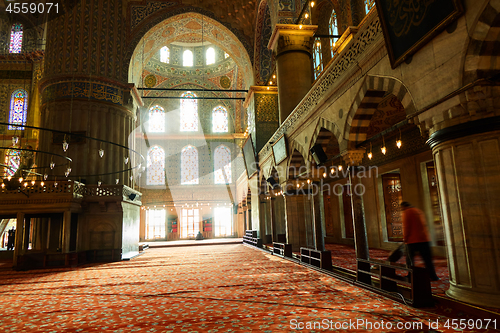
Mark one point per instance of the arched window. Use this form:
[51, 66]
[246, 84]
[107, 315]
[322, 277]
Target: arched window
[219, 119]
[222, 165]
[333, 29]
[187, 58]
[189, 112]
[369, 4]
[18, 109]
[12, 161]
[156, 119]
[210, 56]
[165, 55]
[16, 38]
[189, 165]
[318, 62]
[156, 166]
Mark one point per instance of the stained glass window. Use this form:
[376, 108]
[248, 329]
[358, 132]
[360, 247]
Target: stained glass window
[226, 55]
[18, 109]
[156, 119]
[190, 222]
[369, 4]
[156, 166]
[12, 161]
[333, 30]
[16, 38]
[222, 165]
[210, 56]
[155, 224]
[219, 119]
[222, 222]
[318, 63]
[165, 55]
[189, 165]
[189, 112]
[187, 58]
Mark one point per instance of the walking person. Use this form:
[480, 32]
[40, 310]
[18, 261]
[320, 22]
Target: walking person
[416, 237]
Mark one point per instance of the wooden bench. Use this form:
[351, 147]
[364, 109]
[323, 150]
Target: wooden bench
[320, 259]
[282, 249]
[251, 238]
[385, 281]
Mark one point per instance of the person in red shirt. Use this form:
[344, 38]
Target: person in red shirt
[416, 236]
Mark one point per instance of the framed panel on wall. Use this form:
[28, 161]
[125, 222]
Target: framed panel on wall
[249, 157]
[409, 25]
[280, 151]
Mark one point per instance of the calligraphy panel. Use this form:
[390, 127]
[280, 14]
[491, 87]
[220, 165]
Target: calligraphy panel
[408, 25]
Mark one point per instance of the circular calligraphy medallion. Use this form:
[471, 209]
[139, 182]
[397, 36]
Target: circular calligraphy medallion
[150, 81]
[225, 82]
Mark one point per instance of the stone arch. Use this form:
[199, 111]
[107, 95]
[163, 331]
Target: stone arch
[297, 162]
[481, 58]
[158, 29]
[327, 125]
[365, 104]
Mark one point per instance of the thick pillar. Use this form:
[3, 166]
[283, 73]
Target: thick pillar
[19, 250]
[353, 158]
[467, 158]
[85, 91]
[272, 210]
[319, 240]
[295, 221]
[66, 231]
[292, 45]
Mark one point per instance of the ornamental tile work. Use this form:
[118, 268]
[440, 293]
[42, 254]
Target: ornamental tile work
[266, 106]
[97, 91]
[140, 13]
[167, 31]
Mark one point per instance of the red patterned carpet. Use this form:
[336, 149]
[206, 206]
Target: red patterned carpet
[223, 288]
[345, 256]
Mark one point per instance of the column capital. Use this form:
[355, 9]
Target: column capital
[292, 37]
[353, 157]
[259, 90]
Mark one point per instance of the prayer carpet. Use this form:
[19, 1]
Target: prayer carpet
[220, 288]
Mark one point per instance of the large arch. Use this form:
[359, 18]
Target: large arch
[365, 104]
[481, 58]
[188, 27]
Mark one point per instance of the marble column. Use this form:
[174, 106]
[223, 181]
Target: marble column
[19, 249]
[84, 91]
[353, 158]
[292, 45]
[467, 158]
[319, 240]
